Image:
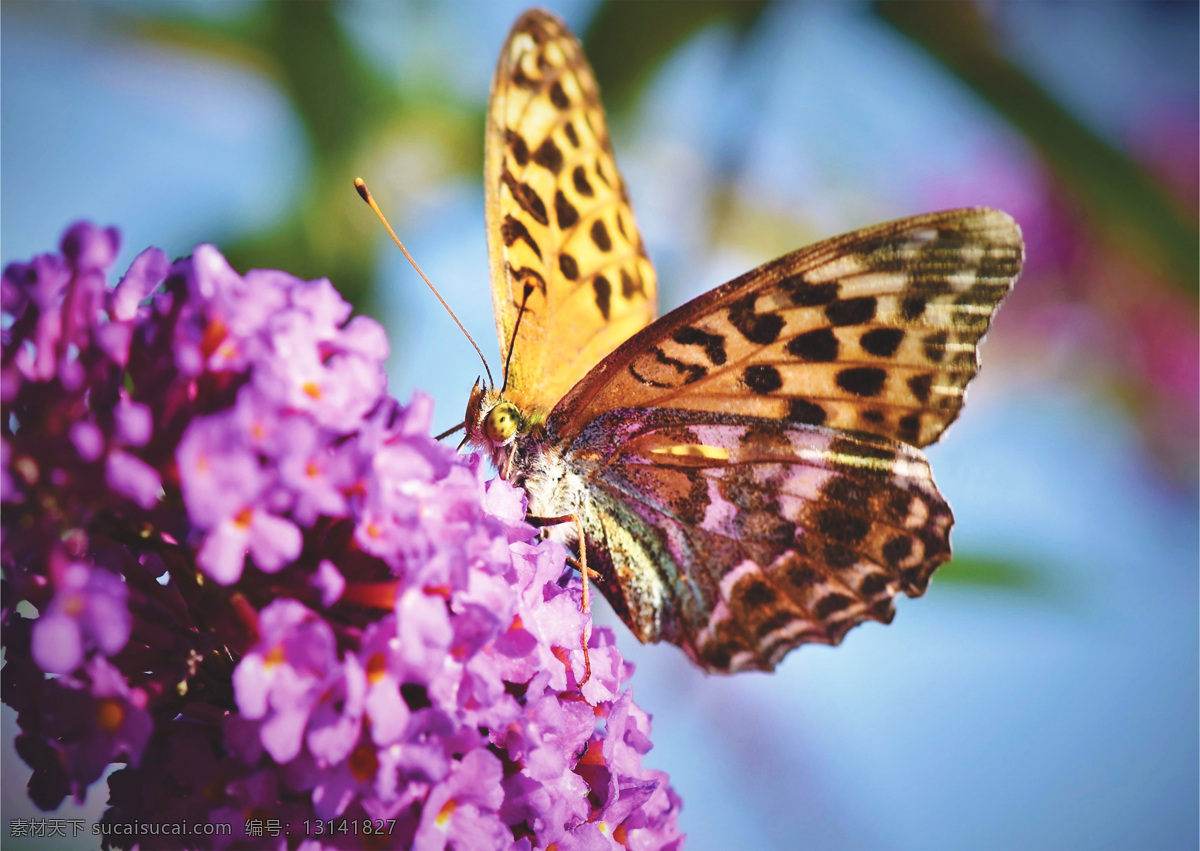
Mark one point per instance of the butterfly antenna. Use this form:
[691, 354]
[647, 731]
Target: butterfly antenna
[365, 194]
[450, 431]
[512, 343]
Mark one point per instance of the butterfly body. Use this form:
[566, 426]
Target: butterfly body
[745, 470]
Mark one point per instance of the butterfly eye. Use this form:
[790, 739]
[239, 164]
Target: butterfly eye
[502, 422]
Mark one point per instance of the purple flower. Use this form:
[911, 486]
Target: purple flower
[225, 488]
[407, 648]
[282, 681]
[215, 470]
[81, 726]
[271, 540]
[8, 491]
[316, 472]
[460, 811]
[130, 476]
[88, 440]
[329, 582]
[87, 612]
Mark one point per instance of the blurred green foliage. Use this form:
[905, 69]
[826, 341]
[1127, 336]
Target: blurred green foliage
[1003, 573]
[627, 42]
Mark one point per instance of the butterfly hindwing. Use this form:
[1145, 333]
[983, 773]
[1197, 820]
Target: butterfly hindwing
[561, 233]
[875, 331]
[739, 539]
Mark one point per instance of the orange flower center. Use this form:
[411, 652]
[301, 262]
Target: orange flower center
[110, 714]
[443, 816]
[376, 668]
[363, 763]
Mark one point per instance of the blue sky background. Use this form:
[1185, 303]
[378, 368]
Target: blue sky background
[1058, 714]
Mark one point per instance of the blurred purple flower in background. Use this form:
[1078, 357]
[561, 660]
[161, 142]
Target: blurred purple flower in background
[1092, 310]
[264, 588]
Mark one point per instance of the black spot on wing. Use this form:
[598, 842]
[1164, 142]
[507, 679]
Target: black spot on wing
[804, 411]
[838, 557]
[522, 80]
[629, 286]
[572, 136]
[912, 307]
[603, 290]
[808, 295]
[884, 611]
[863, 381]
[897, 549]
[568, 266]
[716, 655]
[819, 346]
[558, 97]
[920, 386]
[851, 311]
[802, 576]
[548, 156]
[689, 372]
[762, 378]
[910, 427]
[761, 328]
[846, 490]
[713, 344]
[526, 198]
[755, 592]
[831, 604]
[512, 230]
[835, 524]
[881, 342]
[873, 584]
[516, 144]
[582, 186]
[935, 346]
[564, 211]
[600, 237]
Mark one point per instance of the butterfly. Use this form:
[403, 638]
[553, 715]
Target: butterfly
[743, 474]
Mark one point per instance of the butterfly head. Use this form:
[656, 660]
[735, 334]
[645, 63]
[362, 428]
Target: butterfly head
[494, 424]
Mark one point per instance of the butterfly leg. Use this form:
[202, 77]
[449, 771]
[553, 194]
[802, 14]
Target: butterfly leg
[541, 523]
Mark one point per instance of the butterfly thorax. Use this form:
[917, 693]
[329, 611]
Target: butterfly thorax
[525, 454]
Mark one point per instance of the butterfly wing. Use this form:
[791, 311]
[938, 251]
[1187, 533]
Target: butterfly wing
[561, 234]
[875, 331]
[739, 538]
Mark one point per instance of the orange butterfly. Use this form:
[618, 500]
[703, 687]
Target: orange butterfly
[744, 472]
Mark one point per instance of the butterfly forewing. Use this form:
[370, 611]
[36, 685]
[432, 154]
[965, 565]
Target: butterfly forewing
[561, 234]
[739, 539]
[875, 331]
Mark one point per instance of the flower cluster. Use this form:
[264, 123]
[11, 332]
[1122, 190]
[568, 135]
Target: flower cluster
[235, 565]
